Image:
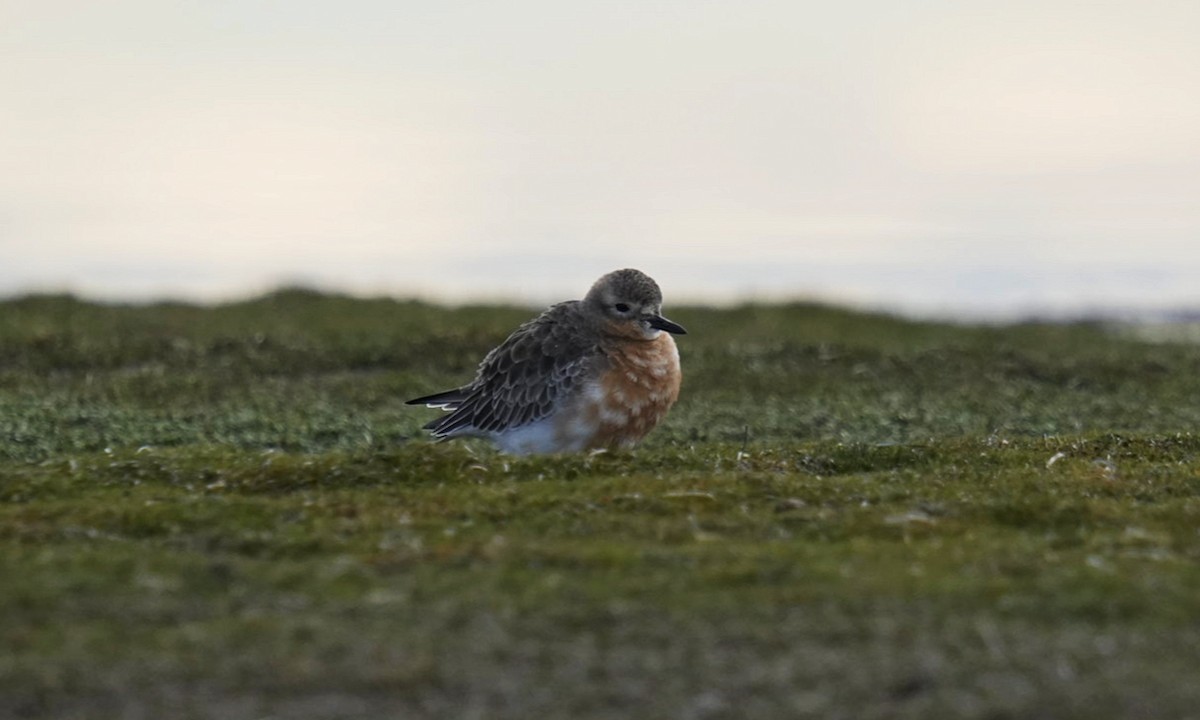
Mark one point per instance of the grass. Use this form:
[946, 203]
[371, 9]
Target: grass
[228, 512]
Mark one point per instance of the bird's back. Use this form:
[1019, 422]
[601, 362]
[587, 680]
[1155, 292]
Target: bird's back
[524, 379]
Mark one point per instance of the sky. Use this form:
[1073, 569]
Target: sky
[926, 156]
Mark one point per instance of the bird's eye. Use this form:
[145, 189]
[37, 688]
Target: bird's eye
[621, 308]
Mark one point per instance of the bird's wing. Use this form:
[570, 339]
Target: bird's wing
[526, 377]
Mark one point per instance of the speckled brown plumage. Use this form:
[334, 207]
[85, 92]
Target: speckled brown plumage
[597, 372]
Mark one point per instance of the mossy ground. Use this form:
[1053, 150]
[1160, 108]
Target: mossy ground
[229, 513]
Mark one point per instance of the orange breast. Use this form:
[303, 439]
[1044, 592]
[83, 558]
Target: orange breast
[639, 388]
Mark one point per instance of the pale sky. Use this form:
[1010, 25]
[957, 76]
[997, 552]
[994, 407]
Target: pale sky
[926, 156]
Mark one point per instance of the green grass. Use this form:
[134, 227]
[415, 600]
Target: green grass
[229, 513]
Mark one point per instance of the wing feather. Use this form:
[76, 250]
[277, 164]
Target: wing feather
[525, 378]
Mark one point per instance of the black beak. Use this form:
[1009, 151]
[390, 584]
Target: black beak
[658, 322]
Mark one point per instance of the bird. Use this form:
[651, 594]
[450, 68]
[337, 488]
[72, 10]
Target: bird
[590, 374]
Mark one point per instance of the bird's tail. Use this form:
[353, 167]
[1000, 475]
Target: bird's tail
[446, 400]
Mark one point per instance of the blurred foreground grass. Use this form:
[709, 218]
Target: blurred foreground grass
[229, 513]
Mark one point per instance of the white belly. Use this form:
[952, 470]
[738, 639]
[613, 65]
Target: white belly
[537, 438]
